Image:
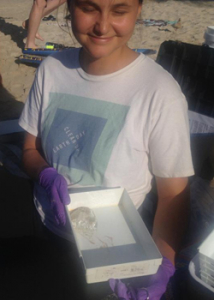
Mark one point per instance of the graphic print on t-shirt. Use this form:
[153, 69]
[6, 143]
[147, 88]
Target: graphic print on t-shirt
[78, 135]
[77, 138]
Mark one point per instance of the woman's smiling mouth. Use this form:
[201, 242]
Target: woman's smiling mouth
[98, 39]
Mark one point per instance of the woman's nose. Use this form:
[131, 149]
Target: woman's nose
[101, 25]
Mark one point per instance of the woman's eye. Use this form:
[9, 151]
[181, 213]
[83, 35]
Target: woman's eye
[88, 9]
[120, 12]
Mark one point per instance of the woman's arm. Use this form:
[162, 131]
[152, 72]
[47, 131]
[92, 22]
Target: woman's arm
[171, 217]
[168, 230]
[33, 160]
[38, 169]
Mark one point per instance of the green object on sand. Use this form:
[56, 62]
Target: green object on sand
[49, 47]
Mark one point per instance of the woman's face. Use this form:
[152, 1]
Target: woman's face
[103, 26]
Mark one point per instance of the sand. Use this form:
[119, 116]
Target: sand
[17, 78]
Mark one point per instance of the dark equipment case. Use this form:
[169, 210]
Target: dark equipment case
[193, 68]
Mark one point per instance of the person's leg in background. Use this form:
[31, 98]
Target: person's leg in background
[34, 21]
[39, 9]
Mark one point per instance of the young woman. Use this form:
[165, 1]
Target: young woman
[105, 116]
[39, 9]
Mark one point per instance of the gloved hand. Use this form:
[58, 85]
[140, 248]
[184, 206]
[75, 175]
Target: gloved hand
[57, 190]
[156, 288]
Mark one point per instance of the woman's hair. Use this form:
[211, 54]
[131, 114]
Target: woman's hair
[69, 2]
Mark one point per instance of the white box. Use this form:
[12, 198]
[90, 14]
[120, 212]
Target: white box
[121, 246]
[200, 124]
[206, 259]
[206, 286]
[207, 247]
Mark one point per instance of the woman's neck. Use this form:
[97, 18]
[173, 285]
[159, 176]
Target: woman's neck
[106, 65]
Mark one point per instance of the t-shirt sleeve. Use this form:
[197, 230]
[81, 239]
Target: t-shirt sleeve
[31, 114]
[169, 141]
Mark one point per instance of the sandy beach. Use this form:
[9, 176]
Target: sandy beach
[194, 18]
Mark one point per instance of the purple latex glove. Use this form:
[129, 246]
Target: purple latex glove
[57, 190]
[156, 288]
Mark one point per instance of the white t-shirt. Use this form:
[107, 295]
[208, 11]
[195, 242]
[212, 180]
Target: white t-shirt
[111, 130]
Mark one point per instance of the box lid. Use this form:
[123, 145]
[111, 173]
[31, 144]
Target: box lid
[207, 247]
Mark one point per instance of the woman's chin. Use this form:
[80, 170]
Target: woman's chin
[99, 52]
